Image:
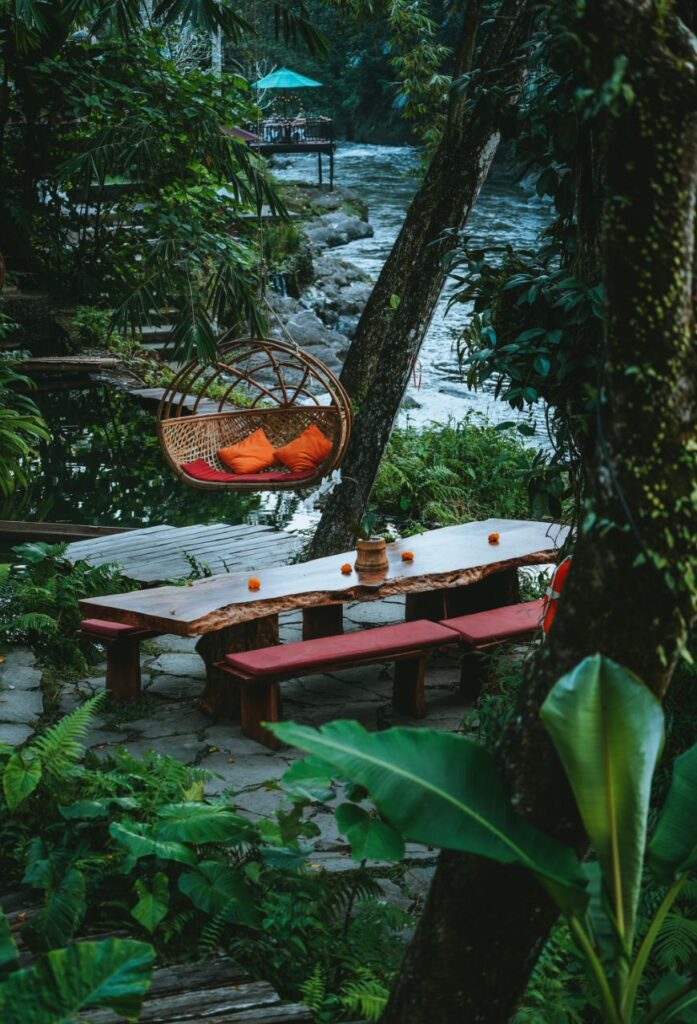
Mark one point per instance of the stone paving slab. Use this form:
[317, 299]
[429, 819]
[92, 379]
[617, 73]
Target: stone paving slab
[22, 707]
[14, 735]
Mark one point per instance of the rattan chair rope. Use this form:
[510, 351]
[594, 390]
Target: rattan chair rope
[254, 382]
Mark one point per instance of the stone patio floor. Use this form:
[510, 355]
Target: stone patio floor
[173, 678]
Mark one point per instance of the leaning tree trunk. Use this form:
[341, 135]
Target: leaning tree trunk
[631, 593]
[399, 310]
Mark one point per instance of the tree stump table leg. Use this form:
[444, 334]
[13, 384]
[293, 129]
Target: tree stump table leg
[326, 620]
[409, 694]
[221, 696]
[260, 702]
[123, 669]
[427, 605]
[495, 591]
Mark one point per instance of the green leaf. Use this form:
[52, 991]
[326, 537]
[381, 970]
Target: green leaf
[195, 822]
[135, 840]
[57, 921]
[608, 730]
[9, 955]
[673, 848]
[153, 904]
[21, 777]
[443, 790]
[309, 779]
[674, 999]
[114, 974]
[370, 838]
[215, 887]
[92, 809]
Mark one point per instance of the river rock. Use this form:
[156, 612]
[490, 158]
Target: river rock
[337, 228]
[339, 293]
[308, 331]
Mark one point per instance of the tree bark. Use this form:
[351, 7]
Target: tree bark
[631, 593]
[399, 310]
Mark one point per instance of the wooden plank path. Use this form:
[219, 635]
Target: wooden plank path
[65, 364]
[19, 530]
[153, 396]
[217, 991]
[158, 553]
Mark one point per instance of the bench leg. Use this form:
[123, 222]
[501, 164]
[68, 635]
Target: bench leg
[409, 694]
[260, 702]
[473, 672]
[221, 696]
[326, 620]
[123, 669]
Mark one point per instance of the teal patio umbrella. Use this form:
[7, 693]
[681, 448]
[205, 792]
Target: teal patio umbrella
[285, 79]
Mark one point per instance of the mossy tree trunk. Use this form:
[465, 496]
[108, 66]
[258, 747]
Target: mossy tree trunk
[631, 593]
[399, 310]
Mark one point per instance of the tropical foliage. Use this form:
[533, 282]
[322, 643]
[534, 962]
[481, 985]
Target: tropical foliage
[188, 874]
[39, 602]
[607, 728]
[113, 974]
[21, 427]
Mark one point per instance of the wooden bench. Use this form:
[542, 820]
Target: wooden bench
[259, 672]
[480, 632]
[122, 644]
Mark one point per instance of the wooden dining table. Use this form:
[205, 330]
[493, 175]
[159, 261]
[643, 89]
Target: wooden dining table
[454, 570]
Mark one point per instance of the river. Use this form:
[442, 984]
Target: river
[385, 178]
[103, 464]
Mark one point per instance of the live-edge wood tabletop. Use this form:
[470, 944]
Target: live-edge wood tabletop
[453, 556]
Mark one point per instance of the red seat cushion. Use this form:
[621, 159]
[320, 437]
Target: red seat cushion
[500, 623]
[202, 470]
[101, 627]
[307, 656]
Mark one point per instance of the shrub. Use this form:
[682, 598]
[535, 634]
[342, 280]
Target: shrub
[438, 475]
[39, 603]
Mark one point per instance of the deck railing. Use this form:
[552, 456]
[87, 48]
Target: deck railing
[289, 131]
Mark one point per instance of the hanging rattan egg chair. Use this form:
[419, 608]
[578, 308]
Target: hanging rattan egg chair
[254, 382]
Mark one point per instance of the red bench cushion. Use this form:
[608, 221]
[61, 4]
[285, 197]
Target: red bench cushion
[104, 628]
[500, 623]
[202, 470]
[308, 656]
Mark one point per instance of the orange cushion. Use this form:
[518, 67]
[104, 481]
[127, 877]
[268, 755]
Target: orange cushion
[306, 451]
[249, 456]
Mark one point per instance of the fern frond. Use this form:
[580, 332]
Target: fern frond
[212, 935]
[366, 996]
[59, 747]
[677, 941]
[314, 990]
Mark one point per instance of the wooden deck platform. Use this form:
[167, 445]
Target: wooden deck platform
[218, 991]
[153, 396]
[158, 553]
[68, 364]
[20, 531]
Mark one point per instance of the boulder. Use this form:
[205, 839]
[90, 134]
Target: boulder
[308, 331]
[337, 228]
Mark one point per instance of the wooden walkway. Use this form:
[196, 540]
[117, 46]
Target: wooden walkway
[217, 991]
[54, 533]
[158, 553]
[153, 396]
